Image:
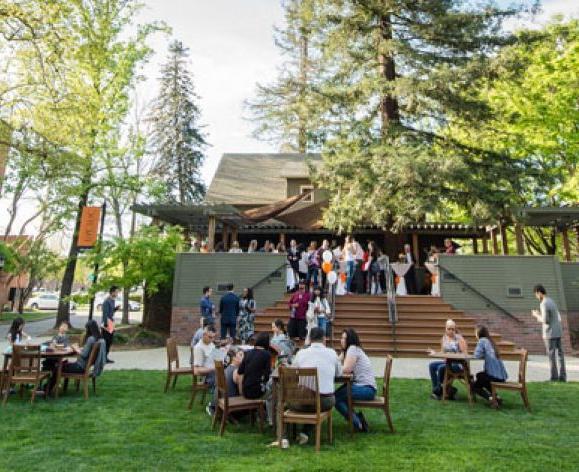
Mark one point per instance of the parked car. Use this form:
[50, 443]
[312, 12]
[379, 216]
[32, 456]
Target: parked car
[46, 301]
[100, 298]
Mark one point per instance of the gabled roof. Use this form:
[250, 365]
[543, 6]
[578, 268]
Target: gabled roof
[257, 179]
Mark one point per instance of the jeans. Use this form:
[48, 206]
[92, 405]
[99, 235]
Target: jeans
[482, 385]
[313, 274]
[108, 337]
[350, 269]
[359, 392]
[437, 369]
[327, 402]
[322, 322]
[555, 346]
[228, 326]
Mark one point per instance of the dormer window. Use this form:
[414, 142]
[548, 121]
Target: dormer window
[305, 189]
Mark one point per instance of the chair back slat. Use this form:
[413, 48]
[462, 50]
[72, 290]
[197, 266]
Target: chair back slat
[523, 366]
[25, 360]
[300, 387]
[92, 357]
[220, 382]
[172, 353]
[387, 376]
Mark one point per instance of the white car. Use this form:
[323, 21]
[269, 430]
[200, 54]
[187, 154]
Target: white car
[133, 306]
[46, 301]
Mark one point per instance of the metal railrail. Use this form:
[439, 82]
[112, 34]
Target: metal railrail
[268, 276]
[391, 299]
[481, 295]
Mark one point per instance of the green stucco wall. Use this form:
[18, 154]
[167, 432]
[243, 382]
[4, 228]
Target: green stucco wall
[492, 275]
[570, 276]
[195, 271]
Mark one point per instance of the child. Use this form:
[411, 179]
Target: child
[61, 337]
[16, 334]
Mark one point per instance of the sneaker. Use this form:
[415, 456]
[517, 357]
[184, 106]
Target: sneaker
[210, 409]
[434, 396]
[303, 439]
[362, 419]
[110, 361]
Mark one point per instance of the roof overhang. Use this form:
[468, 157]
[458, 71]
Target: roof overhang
[558, 217]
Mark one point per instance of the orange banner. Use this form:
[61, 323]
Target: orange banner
[89, 226]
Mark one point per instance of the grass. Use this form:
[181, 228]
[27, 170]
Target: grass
[7, 317]
[133, 425]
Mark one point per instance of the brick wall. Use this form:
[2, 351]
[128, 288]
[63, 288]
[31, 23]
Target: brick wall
[527, 334]
[184, 322]
[573, 320]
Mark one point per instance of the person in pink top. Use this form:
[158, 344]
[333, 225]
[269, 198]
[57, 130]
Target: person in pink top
[298, 305]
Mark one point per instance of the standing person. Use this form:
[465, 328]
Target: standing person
[355, 362]
[228, 310]
[410, 276]
[324, 247]
[247, 309]
[318, 356]
[313, 264]
[255, 368]
[303, 263]
[494, 369]
[318, 311]
[294, 255]
[451, 342]
[550, 318]
[108, 321]
[207, 307]
[266, 246]
[349, 254]
[204, 361]
[373, 268]
[280, 248]
[235, 248]
[449, 247]
[252, 246]
[298, 305]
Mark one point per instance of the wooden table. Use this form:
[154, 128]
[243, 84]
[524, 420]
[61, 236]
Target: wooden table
[276, 396]
[464, 375]
[57, 354]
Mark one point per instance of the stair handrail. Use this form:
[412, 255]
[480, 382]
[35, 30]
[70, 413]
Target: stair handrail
[488, 300]
[391, 302]
[268, 276]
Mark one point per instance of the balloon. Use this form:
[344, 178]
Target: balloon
[332, 277]
[343, 277]
[327, 267]
[327, 256]
[396, 280]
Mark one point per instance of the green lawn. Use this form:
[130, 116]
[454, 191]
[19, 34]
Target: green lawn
[133, 425]
[6, 318]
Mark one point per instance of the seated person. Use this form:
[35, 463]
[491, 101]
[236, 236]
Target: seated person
[204, 361]
[255, 369]
[318, 356]
[61, 337]
[199, 333]
[355, 362]
[494, 369]
[16, 334]
[451, 342]
[281, 343]
[92, 336]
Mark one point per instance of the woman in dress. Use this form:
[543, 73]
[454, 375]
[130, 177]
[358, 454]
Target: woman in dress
[451, 342]
[318, 311]
[247, 308]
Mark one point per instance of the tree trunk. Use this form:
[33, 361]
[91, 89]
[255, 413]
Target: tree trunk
[389, 105]
[302, 125]
[126, 291]
[63, 314]
[157, 310]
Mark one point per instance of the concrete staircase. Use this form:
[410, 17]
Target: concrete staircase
[420, 326]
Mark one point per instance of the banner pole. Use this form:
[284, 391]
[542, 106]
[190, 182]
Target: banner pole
[96, 266]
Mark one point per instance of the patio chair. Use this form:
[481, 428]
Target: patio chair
[520, 386]
[173, 369]
[89, 372]
[24, 369]
[198, 385]
[463, 376]
[380, 403]
[226, 404]
[300, 390]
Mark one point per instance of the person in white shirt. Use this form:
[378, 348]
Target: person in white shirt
[410, 276]
[318, 356]
[204, 360]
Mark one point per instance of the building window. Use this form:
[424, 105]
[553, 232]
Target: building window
[304, 189]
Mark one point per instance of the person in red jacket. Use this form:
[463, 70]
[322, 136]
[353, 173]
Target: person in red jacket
[298, 305]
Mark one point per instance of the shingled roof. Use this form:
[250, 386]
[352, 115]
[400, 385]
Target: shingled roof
[257, 179]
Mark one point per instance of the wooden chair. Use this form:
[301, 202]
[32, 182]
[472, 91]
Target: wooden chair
[83, 377]
[197, 385]
[381, 403]
[226, 405]
[24, 369]
[462, 376]
[300, 388]
[174, 371]
[521, 385]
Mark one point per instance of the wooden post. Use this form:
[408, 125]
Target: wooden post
[566, 246]
[519, 239]
[495, 242]
[475, 245]
[485, 240]
[211, 233]
[225, 236]
[282, 238]
[234, 234]
[505, 243]
[415, 249]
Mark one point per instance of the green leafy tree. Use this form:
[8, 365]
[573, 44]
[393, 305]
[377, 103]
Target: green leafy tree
[177, 140]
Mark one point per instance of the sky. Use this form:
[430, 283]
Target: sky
[231, 49]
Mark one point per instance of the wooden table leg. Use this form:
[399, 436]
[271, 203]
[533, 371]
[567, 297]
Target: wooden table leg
[276, 407]
[466, 370]
[58, 375]
[445, 380]
[350, 407]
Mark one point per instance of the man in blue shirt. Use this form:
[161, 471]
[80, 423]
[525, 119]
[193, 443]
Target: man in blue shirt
[108, 320]
[207, 307]
[229, 309]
